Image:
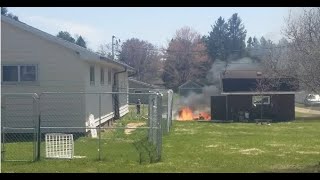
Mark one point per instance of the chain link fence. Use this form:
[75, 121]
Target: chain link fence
[167, 104]
[89, 117]
[18, 126]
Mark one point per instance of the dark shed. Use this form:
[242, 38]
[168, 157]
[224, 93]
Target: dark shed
[240, 96]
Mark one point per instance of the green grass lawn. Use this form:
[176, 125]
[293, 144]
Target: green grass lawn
[194, 147]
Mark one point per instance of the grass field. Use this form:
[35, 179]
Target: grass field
[195, 147]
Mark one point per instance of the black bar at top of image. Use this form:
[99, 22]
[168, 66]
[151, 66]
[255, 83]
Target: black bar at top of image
[160, 3]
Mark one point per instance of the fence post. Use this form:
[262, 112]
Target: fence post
[35, 117]
[170, 99]
[158, 116]
[171, 105]
[99, 148]
[3, 124]
[39, 137]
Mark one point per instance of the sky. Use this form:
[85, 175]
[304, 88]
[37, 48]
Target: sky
[154, 24]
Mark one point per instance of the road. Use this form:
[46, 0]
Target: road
[306, 110]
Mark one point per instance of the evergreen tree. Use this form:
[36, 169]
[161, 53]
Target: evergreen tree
[80, 41]
[237, 36]
[66, 36]
[217, 40]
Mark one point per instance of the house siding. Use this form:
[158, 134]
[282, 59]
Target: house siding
[59, 70]
[92, 100]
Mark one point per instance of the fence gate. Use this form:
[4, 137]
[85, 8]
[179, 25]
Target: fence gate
[19, 119]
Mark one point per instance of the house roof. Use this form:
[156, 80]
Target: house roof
[243, 74]
[83, 52]
[142, 83]
[257, 93]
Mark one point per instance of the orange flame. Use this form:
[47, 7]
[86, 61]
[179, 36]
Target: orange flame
[186, 114]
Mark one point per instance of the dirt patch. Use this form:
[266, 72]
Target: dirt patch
[308, 152]
[190, 133]
[212, 146]
[214, 132]
[132, 125]
[79, 157]
[252, 151]
[306, 111]
[182, 130]
[276, 145]
[243, 132]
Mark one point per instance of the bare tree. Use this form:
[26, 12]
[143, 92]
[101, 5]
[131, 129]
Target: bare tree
[300, 57]
[264, 85]
[105, 50]
[186, 58]
[144, 57]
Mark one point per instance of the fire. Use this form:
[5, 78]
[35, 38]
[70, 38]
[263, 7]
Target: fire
[187, 114]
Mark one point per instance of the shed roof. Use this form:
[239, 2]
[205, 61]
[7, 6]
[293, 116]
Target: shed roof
[190, 83]
[243, 74]
[142, 83]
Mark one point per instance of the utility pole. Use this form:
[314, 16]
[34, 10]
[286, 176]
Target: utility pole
[114, 43]
[113, 47]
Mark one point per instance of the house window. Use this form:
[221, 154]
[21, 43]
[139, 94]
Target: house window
[102, 76]
[92, 75]
[109, 76]
[10, 73]
[260, 100]
[28, 73]
[19, 73]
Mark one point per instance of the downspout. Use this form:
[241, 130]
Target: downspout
[116, 73]
[115, 96]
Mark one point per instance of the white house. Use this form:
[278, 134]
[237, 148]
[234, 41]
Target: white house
[35, 62]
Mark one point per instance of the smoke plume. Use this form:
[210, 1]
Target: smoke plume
[202, 100]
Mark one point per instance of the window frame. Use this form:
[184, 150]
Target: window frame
[109, 76]
[19, 81]
[102, 76]
[92, 78]
[263, 96]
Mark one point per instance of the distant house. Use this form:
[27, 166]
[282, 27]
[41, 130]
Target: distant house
[240, 94]
[34, 61]
[190, 87]
[136, 86]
